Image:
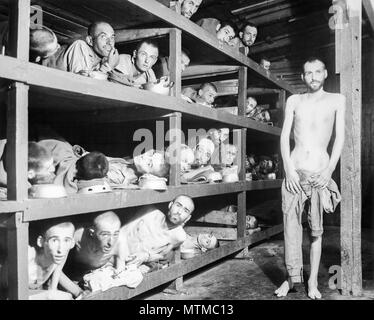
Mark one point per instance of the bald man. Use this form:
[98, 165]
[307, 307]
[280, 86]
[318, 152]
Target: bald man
[45, 49]
[96, 245]
[96, 53]
[151, 235]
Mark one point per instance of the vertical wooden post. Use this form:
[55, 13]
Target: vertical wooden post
[175, 53]
[17, 246]
[175, 138]
[17, 139]
[281, 106]
[350, 86]
[240, 135]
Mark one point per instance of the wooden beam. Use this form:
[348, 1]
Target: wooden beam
[175, 60]
[128, 35]
[369, 9]
[37, 209]
[350, 86]
[17, 248]
[175, 139]
[81, 93]
[200, 71]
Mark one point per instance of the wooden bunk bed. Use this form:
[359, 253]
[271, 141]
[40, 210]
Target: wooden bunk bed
[35, 86]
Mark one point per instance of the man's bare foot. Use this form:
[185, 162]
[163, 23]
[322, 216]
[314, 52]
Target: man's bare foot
[313, 292]
[282, 291]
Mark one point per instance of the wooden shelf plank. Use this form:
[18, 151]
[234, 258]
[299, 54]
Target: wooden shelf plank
[35, 209]
[176, 20]
[157, 278]
[59, 90]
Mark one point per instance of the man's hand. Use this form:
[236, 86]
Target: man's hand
[113, 58]
[293, 181]
[322, 179]
[137, 258]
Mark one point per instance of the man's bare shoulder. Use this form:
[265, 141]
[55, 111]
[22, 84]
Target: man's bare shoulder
[293, 101]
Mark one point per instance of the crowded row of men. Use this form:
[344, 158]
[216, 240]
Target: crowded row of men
[63, 255]
[64, 259]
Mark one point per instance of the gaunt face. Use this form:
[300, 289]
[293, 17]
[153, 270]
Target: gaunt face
[314, 75]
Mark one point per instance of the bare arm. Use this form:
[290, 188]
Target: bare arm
[339, 134]
[285, 135]
[292, 178]
[324, 177]
[69, 285]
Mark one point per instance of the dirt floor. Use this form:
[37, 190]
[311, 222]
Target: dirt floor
[262, 271]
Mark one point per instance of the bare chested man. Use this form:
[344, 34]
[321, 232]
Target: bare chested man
[308, 170]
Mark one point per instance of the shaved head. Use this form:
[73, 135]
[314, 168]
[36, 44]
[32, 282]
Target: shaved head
[108, 217]
[95, 27]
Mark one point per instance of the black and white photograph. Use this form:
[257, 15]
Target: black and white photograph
[187, 155]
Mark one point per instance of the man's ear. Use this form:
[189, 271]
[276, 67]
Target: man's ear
[89, 40]
[170, 204]
[218, 27]
[302, 77]
[134, 54]
[200, 92]
[31, 174]
[39, 241]
[241, 35]
[326, 73]
[91, 232]
[185, 221]
[72, 244]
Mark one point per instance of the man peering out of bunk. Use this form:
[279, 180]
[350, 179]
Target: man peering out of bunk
[162, 67]
[198, 244]
[246, 38]
[206, 94]
[224, 31]
[40, 164]
[308, 170]
[95, 56]
[96, 245]
[189, 7]
[136, 69]
[45, 49]
[151, 235]
[50, 244]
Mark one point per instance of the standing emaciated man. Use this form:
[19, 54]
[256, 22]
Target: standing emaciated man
[308, 170]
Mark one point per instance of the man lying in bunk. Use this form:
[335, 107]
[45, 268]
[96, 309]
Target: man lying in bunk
[93, 263]
[162, 68]
[151, 235]
[51, 243]
[189, 7]
[198, 244]
[246, 37]
[40, 165]
[187, 157]
[136, 69]
[96, 55]
[76, 169]
[45, 49]
[224, 31]
[206, 94]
